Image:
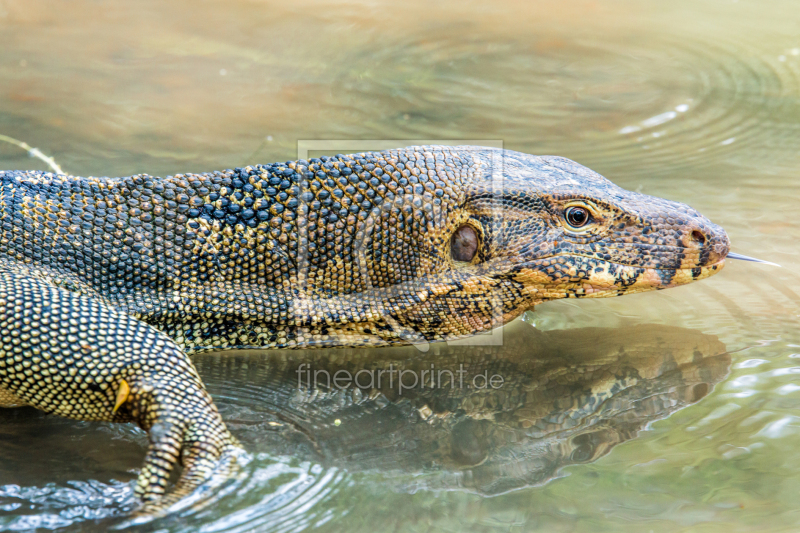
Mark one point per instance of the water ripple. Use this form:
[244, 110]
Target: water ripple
[52, 506]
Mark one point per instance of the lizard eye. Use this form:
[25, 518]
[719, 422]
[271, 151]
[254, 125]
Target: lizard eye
[464, 244]
[577, 217]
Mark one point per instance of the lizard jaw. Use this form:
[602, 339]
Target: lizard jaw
[604, 279]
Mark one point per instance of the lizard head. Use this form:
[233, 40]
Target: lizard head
[562, 230]
[522, 230]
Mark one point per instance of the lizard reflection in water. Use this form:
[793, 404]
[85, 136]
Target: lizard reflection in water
[568, 397]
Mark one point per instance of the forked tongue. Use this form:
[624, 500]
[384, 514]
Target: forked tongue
[741, 257]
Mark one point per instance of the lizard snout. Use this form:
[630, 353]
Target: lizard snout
[707, 242]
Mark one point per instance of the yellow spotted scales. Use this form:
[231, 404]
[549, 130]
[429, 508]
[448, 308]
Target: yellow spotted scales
[107, 283]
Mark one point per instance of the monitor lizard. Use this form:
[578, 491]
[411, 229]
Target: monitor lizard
[107, 285]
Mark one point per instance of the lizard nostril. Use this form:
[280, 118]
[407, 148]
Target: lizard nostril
[698, 237]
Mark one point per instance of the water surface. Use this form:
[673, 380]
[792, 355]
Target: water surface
[695, 101]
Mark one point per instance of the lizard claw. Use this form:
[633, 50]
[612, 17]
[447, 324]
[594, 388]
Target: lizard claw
[184, 427]
[203, 469]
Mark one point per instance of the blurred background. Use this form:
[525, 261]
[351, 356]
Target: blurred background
[696, 101]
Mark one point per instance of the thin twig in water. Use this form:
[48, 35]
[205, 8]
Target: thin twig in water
[265, 142]
[33, 152]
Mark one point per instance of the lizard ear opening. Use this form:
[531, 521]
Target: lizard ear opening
[464, 244]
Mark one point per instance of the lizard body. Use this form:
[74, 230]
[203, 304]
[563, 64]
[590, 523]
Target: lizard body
[107, 284]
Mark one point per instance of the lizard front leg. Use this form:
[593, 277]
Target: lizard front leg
[75, 356]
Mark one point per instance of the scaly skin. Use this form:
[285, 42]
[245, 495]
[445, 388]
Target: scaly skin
[107, 284]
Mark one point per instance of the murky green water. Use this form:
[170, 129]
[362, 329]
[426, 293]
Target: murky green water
[682, 414]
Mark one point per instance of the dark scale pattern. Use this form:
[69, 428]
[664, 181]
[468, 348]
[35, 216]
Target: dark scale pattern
[344, 250]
